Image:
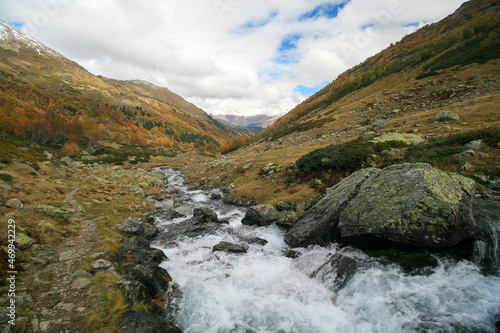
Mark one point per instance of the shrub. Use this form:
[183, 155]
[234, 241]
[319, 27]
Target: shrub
[70, 148]
[348, 156]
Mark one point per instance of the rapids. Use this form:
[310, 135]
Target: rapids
[265, 291]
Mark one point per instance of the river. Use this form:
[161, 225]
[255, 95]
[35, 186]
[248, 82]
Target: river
[262, 290]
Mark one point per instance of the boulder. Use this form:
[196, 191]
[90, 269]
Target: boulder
[81, 283]
[229, 247]
[134, 291]
[205, 214]
[318, 224]
[15, 203]
[154, 278]
[102, 266]
[130, 228]
[378, 125]
[145, 322]
[406, 205]
[286, 206]
[336, 272]
[409, 139]
[23, 241]
[445, 116]
[465, 155]
[260, 215]
[475, 145]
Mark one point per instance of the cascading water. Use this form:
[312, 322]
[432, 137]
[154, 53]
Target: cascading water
[264, 291]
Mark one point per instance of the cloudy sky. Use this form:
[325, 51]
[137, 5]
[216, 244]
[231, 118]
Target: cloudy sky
[226, 56]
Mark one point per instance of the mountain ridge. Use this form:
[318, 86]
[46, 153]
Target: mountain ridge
[125, 110]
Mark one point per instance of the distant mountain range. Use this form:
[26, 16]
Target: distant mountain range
[47, 97]
[261, 120]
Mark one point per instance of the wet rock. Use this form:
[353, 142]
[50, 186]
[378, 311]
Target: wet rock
[145, 322]
[445, 116]
[336, 272]
[163, 214]
[154, 278]
[130, 228]
[230, 247]
[205, 214]
[261, 215]
[14, 203]
[134, 291]
[23, 241]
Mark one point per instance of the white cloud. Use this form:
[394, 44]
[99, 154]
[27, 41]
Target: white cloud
[223, 55]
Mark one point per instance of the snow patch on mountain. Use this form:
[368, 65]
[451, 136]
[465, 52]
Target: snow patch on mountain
[14, 40]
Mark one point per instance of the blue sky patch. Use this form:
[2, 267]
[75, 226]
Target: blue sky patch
[16, 25]
[328, 10]
[289, 42]
[309, 91]
[414, 24]
[253, 25]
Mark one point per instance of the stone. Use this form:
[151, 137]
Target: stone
[390, 152]
[23, 241]
[60, 213]
[465, 155]
[285, 206]
[378, 125]
[261, 215]
[409, 139]
[68, 255]
[81, 283]
[317, 225]
[42, 250]
[68, 307]
[102, 265]
[229, 247]
[67, 160]
[146, 322]
[406, 205]
[339, 266]
[205, 214]
[445, 116]
[46, 225]
[130, 228]
[49, 155]
[475, 145]
[14, 203]
[82, 273]
[483, 155]
[133, 290]
[154, 278]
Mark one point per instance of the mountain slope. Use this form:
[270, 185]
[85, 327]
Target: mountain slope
[448, 66]
[469, 36]
[260, 120]
[42, 92]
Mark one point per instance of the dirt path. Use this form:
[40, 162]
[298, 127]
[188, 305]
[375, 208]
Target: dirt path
[63, 306]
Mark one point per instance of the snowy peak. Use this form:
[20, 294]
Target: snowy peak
[15, 40]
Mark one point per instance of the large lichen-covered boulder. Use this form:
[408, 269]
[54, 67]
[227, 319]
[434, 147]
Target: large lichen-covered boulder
[410, 205]
[319, 223]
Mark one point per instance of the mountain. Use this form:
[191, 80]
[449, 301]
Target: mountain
[47, 97]
[260, 120]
